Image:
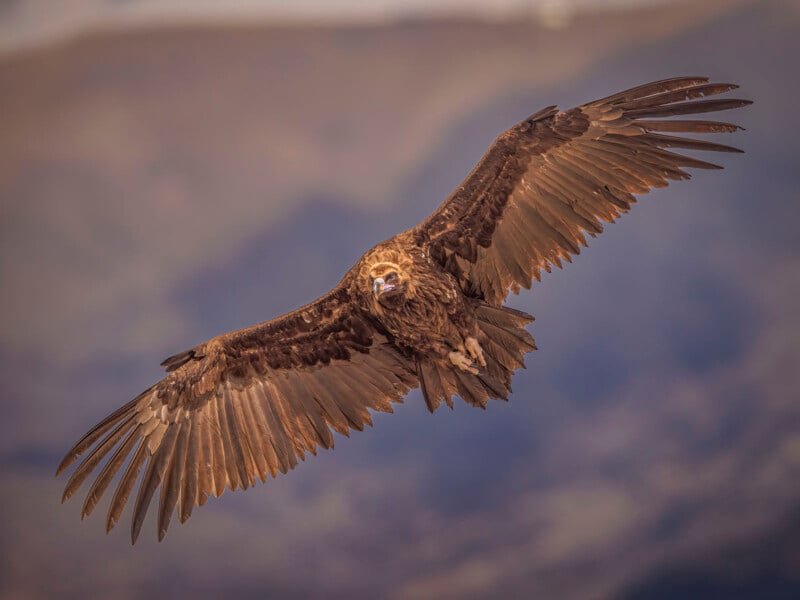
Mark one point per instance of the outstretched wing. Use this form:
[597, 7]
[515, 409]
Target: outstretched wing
[556, 176]
[243, 405]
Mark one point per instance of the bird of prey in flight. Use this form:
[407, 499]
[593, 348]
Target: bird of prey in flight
[424, 308]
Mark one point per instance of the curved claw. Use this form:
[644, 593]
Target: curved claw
[475, 350]
[460, 360]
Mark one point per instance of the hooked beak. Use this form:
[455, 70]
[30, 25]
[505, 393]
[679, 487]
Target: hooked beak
[379, 286]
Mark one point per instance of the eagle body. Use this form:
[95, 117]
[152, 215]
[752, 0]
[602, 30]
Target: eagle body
[431, 316]
[440, 328]
[422, 309]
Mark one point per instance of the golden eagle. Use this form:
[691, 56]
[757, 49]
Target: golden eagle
[424, 308]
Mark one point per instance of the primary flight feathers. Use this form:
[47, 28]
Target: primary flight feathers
[423, 308]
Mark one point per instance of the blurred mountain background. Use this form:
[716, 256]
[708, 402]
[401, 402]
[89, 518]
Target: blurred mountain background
[170, 173]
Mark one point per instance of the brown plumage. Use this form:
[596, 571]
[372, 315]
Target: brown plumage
[422, 308]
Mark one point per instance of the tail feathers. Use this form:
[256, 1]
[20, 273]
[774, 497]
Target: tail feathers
[504, 316]
[435, 383]
[504, 341]
[441, 381]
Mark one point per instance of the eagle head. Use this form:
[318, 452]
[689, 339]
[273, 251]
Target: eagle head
[389, 283]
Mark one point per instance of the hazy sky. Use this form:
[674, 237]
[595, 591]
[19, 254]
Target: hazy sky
[36, 21]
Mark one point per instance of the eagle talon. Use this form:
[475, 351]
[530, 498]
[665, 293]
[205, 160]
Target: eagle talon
[463, 362]
[475, 350]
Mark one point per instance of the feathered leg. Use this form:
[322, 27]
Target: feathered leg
[482, 367]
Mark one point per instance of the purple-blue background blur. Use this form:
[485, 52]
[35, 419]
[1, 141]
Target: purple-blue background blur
[161, 185]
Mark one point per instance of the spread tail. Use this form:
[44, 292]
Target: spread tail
[504, 341]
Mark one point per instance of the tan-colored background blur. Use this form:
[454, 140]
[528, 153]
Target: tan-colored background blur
[168, 176]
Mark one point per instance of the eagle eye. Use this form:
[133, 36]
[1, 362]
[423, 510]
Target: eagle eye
[391, 278]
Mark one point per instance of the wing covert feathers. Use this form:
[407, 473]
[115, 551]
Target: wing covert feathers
[191, 438]
[557, 176]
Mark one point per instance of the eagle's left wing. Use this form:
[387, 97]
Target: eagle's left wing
[246, 404]
[555, 176]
